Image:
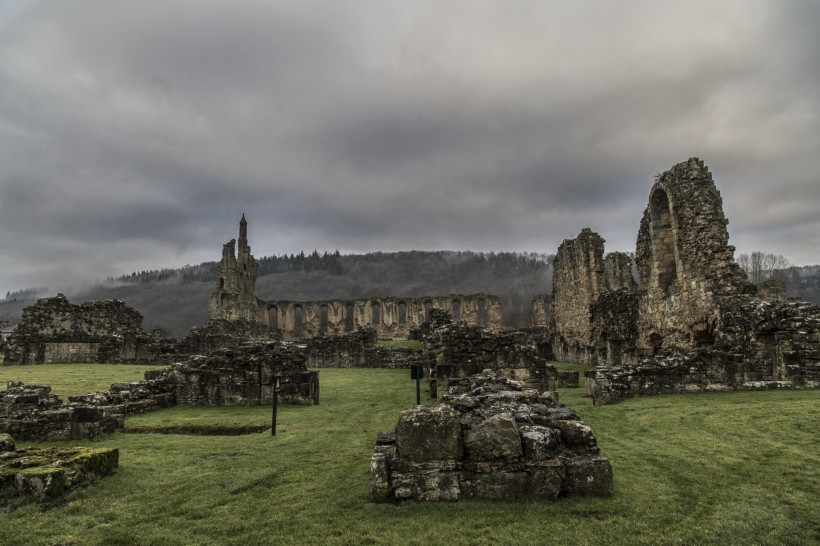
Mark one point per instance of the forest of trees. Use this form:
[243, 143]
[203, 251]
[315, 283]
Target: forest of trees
[177, 299]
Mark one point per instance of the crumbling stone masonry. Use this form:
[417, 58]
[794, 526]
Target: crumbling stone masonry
[46, 475]
[700, 324]
[54, 330]
[234, 298]
[592, 297]
[488, 439]
[356, 350]
[234, 295]
[391, 318]
[458, 350]
[31, 412]
[233, 376]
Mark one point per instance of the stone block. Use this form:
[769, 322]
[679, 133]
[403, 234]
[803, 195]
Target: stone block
[587, 475]
[494, 439]
[429, 433]
[539, 442]
[495, 485]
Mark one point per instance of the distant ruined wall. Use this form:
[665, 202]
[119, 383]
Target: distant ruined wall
[391, 318]
[541, 312]
[55, 330]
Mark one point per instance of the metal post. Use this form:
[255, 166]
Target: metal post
[275, 391]
[418, 391]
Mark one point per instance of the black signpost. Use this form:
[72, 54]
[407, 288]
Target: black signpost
[275, 392]
[417, 373]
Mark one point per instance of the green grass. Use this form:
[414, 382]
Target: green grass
[725, 468]
[70, 379]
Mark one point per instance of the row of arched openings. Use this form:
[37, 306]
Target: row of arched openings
[375, 315]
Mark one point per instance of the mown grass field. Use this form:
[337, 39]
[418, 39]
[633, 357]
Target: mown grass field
[729, 468]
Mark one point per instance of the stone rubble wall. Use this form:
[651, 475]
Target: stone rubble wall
[541, 314]
[46, 475]
[236, 376]
[31, 412]
[459, 350]
[54, 330]
[355, 350]
[758, 345]
[488, 439]
[685, 264]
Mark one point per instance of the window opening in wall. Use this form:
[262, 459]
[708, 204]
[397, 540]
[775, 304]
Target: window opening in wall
[376, 314]
[427, 306]
[482, 313]
[456, 310]
[663, 241]
[402, 313]
[273, 318]
[298, 319]
[323, 318]
[349, 321]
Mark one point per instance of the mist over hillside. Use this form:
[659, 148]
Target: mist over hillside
[177, 299]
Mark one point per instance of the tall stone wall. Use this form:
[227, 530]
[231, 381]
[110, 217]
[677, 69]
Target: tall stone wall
[590, 294]
[55, 330]
[685, 263]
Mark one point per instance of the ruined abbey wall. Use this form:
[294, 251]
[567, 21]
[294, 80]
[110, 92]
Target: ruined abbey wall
[234, 297]
[55, 330]
[591, 300]
[391, 318]
[685, 263]
[699, 325]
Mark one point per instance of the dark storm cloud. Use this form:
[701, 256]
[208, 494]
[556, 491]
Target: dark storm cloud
[134, 135]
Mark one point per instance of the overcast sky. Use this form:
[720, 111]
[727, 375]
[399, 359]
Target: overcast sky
[134, 135]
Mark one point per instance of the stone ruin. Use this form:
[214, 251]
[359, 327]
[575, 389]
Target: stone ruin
[234, 298]
[456, 350]
[233, 376]
[592, 297]
[32, 412]
[54, 330]
[46, 475]
[695, 322]
[488, 439]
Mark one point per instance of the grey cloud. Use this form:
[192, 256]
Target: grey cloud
[137, 133]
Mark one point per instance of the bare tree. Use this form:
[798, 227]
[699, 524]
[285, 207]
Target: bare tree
[762, 266]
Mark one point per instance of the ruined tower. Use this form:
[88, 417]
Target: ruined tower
[234, 295]
[685, 263]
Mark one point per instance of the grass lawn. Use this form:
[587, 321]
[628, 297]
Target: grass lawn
[724, 468]
[70, 379]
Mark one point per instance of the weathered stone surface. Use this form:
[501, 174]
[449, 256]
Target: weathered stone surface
[429, 433]
[517, 444]
[494, 439]
[6, 443]
[587, 475]
[46, 475]
[458, 351]
[695, 323]
[54, 330]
